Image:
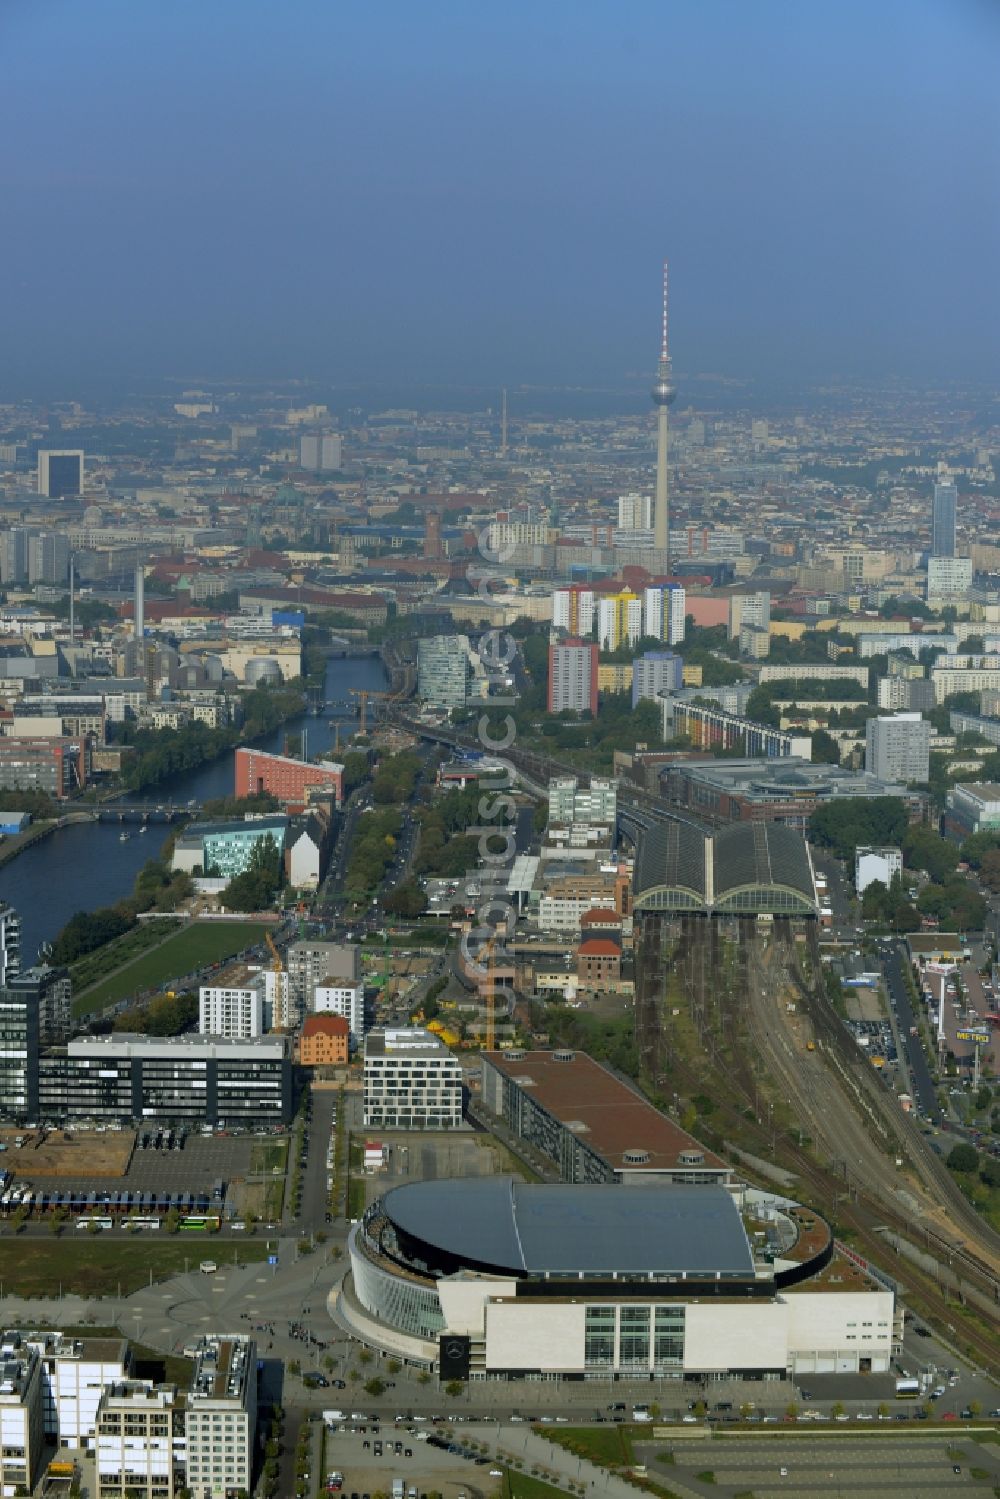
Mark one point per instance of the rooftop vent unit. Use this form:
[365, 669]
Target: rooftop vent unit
[636, 1157]
[515, 1054]
[564, 1056]
[692, 1158]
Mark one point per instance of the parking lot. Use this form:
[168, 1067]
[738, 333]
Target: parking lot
[807, 1468]
[203, 1161]
[367, 1471]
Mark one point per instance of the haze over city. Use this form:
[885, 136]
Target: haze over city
[457, 194]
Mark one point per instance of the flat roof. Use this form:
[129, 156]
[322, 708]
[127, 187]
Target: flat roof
[602, 1110]
[563, 1230]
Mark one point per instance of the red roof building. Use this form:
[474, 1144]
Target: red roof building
[325, 1041]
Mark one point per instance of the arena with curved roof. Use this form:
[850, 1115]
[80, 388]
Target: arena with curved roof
[494, 1278]
[745, 869]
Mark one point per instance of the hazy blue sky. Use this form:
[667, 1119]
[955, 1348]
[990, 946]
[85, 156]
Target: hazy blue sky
[471, 191]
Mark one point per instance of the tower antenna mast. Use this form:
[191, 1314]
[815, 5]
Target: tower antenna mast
[664, 393]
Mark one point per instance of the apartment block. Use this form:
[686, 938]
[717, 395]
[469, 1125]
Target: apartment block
[411, 1081]
[346, 1000]
[573, 677]
[898, 748]
[21, 1415]
[232, 1006]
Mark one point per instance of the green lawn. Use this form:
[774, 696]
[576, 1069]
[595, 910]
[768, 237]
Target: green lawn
[90, 970]
[91, 1265]
[523, 1486]
[611, 1446]
[193, 946]
[269, 1155]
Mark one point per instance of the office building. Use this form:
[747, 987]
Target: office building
[139, 1443]
[233, 1005]
[943, 515]
[972, 808]
[223, 850]
[75, 1373]
[444, 670]
[569, 802]
[949, 579]
[289, 780]
[619, 619]
[786, 790]
[325, 1041]
[56, 766]
[664, 607]
[10, 943]
[60, 472]
[333, 997]
[186, 1080]
[48, 557]
[411, 1081]
[221, 1419]
[21, 1416]
[898, 748]
[19, 1053]
[321, 452]
[48, 990]
[573, 610]
[635, 512]
[573, 677]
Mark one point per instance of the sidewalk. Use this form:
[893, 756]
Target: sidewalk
[563, 1466]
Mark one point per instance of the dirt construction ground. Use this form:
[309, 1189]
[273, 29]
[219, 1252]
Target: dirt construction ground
[85, 1153]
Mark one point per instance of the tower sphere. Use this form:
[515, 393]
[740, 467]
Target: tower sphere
[664, 392]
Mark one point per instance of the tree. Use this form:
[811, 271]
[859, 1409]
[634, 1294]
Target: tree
[927, 850]
[255, 889]
[406, 900]
[964, 1158]
[842, 824]
[825, 749]
[454, 1388]
[375, 1387]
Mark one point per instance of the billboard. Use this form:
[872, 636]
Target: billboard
[979, 1038]
[454, 1355]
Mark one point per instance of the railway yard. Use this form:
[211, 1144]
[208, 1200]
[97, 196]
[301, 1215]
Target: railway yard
[801, 1099]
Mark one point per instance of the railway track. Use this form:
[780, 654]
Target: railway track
[854, 1205]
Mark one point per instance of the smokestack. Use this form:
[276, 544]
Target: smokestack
[140, 602]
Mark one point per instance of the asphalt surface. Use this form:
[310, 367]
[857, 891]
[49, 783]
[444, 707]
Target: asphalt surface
[923, 1084]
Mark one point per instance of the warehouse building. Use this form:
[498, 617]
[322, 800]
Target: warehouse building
[590, 1123]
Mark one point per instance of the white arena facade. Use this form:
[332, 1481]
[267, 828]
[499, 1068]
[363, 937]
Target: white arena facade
[490, 1278]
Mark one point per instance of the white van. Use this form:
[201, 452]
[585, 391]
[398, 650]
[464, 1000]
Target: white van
[208, 1267]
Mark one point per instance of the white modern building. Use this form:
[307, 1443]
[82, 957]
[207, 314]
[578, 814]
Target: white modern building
[222, 1417]
[871, 864]
[347, 1000]
[233, 1006]
[749, 609]
[75, 1372]
[573, 610]
[664, 607]
[635, 512]
[411, 1081]
[898, 748]
[569, 802]
[21, 1416]
[139, 1446]
[949, 578]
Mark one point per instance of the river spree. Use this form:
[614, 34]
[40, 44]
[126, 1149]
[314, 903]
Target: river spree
[81, 867]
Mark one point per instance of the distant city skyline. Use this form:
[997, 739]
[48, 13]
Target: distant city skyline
[460, 195]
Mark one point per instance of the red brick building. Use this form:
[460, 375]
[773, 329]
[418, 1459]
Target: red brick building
[598, 961]
[289, 780]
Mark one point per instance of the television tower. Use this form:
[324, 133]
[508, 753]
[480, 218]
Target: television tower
[664, 394]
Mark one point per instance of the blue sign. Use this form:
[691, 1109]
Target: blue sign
[272, 1259]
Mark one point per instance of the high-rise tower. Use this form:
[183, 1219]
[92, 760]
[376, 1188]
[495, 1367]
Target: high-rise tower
[664, 394]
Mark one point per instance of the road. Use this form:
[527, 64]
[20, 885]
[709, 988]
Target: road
[926, 1099]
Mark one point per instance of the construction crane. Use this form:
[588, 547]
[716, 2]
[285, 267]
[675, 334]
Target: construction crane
[364, 695]
[276, 963]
